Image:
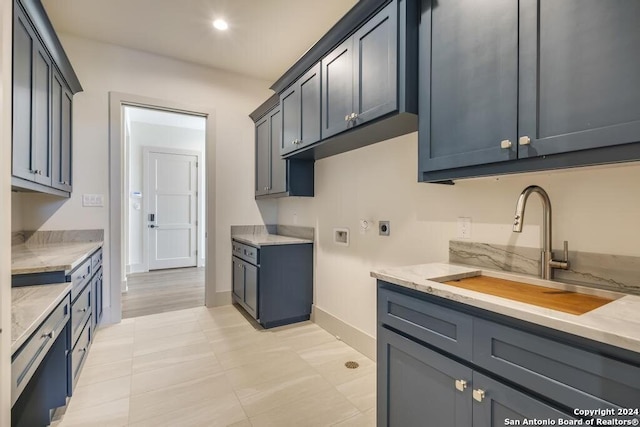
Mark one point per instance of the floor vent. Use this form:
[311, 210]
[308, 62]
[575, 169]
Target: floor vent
[351, 364]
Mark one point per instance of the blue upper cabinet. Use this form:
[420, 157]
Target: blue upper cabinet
[529, 85]
[359, 77]
[579, 75]
[469, 54]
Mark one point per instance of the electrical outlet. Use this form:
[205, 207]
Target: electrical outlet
[384, 228]
[464, 228]
[341, 236]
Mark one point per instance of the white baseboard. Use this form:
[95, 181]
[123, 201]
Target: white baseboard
[360, 340]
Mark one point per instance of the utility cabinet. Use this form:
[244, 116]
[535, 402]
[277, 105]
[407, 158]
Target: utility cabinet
[528, 85]
[273, 283]
[446, 364]
[275, 176]
[43, 86]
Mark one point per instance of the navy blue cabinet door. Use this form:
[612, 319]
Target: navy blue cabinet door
[41, 115]
[238, 278]
[468, 83]
[417, 386]
[579, 75]
[494, 403]
[278, 166]
[337, 89]
[263, 156]
[61, 104]
[23, 46]
[290, 106]
[375, 51]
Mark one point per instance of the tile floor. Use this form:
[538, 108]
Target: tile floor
[212, 367]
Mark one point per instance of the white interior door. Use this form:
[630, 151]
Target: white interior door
[172, 210]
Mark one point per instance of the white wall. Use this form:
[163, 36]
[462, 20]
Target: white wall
[5, 209]
[595, 209]
[103, 68]
[154, 135]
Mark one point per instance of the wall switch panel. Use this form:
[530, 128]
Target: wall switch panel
[93, 200]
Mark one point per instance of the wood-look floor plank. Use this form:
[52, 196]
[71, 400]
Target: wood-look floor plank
[161, 291]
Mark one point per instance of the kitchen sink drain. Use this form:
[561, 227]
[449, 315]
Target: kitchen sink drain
[351, 364]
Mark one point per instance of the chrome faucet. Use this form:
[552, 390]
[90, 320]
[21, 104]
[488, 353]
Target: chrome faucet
[547, 263]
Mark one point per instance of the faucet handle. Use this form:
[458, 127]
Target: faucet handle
[565, 257]
[563, 263]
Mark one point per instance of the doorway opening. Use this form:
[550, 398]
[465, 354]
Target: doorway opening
[164, 210]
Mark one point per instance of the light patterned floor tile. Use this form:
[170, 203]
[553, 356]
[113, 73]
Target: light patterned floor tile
[280, 391]
[148, 346]
[121, 330]
[322, 409]
[109, 371]
[111, 351]
[367, 419]
[100, 393]
[153, 321]
[306, 336]
[181, 396]
[167, 331]
[260, 372]
[167, 358]
[329, 359]
[361, 391]
[174, 374]
[110, 414]
[250, 354]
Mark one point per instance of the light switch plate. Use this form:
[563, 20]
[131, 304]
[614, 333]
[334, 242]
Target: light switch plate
[93, 200]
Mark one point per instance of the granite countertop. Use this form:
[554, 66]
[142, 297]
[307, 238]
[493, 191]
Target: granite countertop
[616, 323]
[30, 305]
[268, 239]
[29, 258]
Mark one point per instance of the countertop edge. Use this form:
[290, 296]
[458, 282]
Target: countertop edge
[588, 325]
[67, 267]
[286, 240]
[35, 324]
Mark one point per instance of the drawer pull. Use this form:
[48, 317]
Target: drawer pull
[82, 310]
[478, 395]
[461, 385]
[83, 349]
[50, 335]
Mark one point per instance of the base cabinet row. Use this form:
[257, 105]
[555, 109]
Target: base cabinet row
[442, 363]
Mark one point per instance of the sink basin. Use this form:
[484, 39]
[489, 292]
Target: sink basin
[565, 300]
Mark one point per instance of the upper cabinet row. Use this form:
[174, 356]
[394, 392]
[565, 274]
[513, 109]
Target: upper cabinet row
[43, 86]
[356, 86]
[527, 85]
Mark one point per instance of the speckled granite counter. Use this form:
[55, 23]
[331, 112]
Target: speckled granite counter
[268, 239]
[30, 305]
[27, 258]
[616, 323]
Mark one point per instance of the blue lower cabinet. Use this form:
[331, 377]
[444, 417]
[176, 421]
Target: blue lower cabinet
[274, 283]
[516, 371]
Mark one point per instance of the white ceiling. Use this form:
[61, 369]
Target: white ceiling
[264, 39]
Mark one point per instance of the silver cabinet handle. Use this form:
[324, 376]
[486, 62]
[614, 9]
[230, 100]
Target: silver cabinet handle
[82, 310]
[83, 349]
[505, 143]
[354, 116]
[294, 142]
[347, 118]
[461, 385]
[50, 335]
[478, 395]
[524, 140]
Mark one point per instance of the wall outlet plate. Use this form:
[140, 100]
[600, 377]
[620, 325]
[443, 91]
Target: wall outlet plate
[384, 228]
[341, 236]
[93, 200]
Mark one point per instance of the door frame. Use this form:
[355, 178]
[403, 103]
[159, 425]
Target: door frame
[146, 150]
[115, 260]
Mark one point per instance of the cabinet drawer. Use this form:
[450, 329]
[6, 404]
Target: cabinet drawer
[27, 359]
[246, 252]
[79, 277]
[96, 260]
[572, 376]
[80, 312]
[439, 326]
[79, 353]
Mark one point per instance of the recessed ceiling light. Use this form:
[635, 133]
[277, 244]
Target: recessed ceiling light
[220, 24]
